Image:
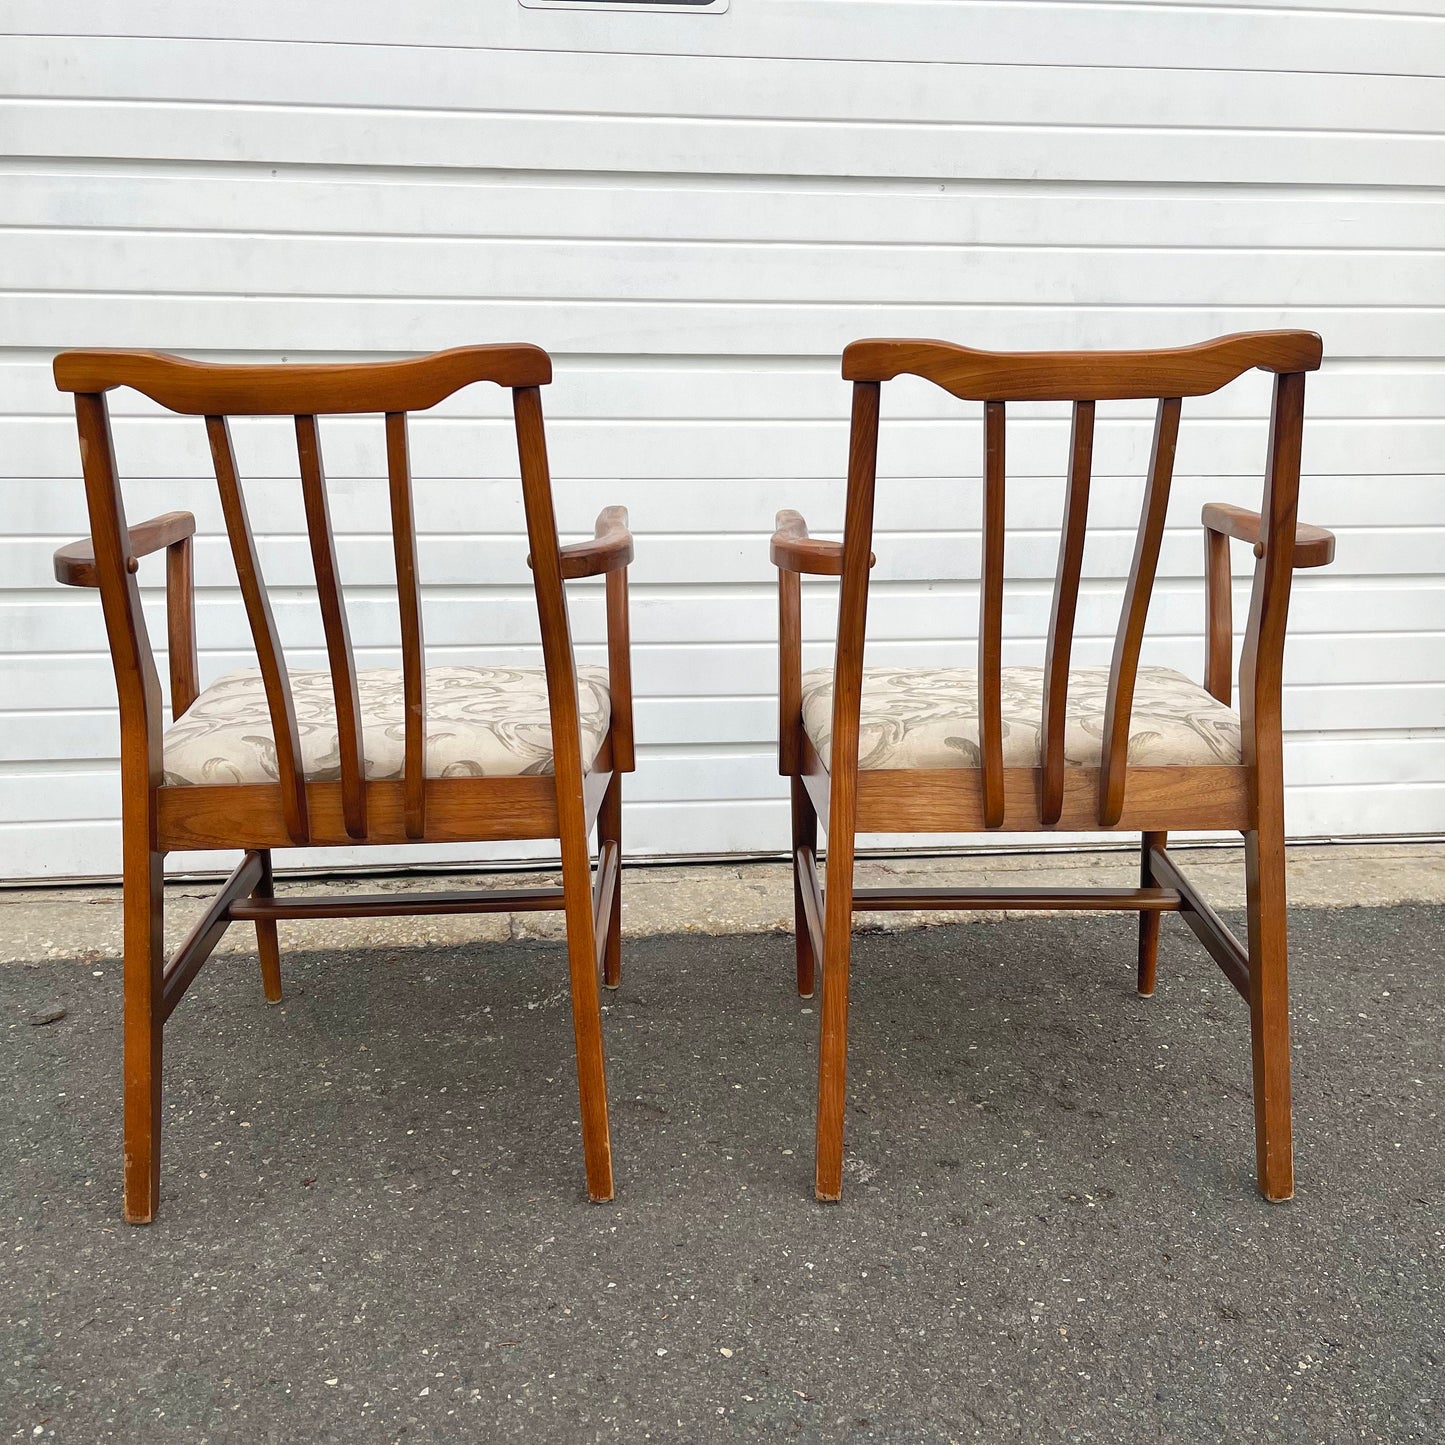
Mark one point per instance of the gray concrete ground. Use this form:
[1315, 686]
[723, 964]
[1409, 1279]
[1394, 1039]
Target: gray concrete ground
[718, 898]
[373, 1227]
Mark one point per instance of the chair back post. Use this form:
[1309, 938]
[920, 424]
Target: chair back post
[843, 763]
[137, 682]
[1261, 666]
[852, 617]
[551, 597]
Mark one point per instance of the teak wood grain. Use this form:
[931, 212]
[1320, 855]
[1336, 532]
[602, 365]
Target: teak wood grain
[205, 388]
[1083, 375]
[75, 562]
[349, 810]
[953, 801]
[1119, 795]
[843, 791]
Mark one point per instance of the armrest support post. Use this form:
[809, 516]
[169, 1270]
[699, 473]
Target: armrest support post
[619, 670]
[75, 567]
[608, 553]
[1313, 547]
[1219, 610]
[181, 625]
[795, 554]
[790, 672]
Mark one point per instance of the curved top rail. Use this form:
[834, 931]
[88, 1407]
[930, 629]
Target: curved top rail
[204, 388]
[1083, 375]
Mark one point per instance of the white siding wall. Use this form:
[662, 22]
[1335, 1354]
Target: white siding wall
[693, 214]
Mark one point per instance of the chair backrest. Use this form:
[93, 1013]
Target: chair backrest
[392, 389]
[1083, 378]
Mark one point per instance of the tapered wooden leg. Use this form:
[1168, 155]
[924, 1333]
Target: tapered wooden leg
[142, 902]
[805, 835]
[833, 1042]
[609, 830]
[1149, 920]
[268, 945]
[1269, 1011]
[586, 1017]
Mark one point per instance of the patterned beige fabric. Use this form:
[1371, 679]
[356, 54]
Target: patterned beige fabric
[928, 718]
[481, 722]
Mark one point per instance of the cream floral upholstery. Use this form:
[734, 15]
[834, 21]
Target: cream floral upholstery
[481, 722]
[928, 718]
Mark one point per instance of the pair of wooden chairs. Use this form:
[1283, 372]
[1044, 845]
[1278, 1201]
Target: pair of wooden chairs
[269, 759]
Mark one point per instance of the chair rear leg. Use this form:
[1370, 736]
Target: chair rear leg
[833, 1041]
[1269, 1011]
[609, 830]
[805, 835]
[587, 1017]
[268, 944]
[143, 903]
[1149, 921]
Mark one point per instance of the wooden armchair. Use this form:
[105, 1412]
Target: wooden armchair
[996, 749]
[265, 759]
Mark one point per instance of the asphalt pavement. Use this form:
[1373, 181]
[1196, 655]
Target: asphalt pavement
[373, 1226]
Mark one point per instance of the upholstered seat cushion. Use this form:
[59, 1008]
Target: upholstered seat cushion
[481, 722]
[927, 717]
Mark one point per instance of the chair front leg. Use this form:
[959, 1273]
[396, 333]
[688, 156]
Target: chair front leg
[143, 904]
[609, 830]
[805, 845]
[833, 1039]
[268, 944]
[1149, 919]
[586, 1009]
[1269, 1008]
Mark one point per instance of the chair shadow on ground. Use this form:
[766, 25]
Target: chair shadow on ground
[1012, 1040]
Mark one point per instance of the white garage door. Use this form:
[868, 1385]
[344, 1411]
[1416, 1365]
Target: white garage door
[694, 213]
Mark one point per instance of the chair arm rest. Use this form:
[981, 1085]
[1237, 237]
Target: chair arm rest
[793, 550]
[75, 562]
[609, 549]
[1313, 546]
